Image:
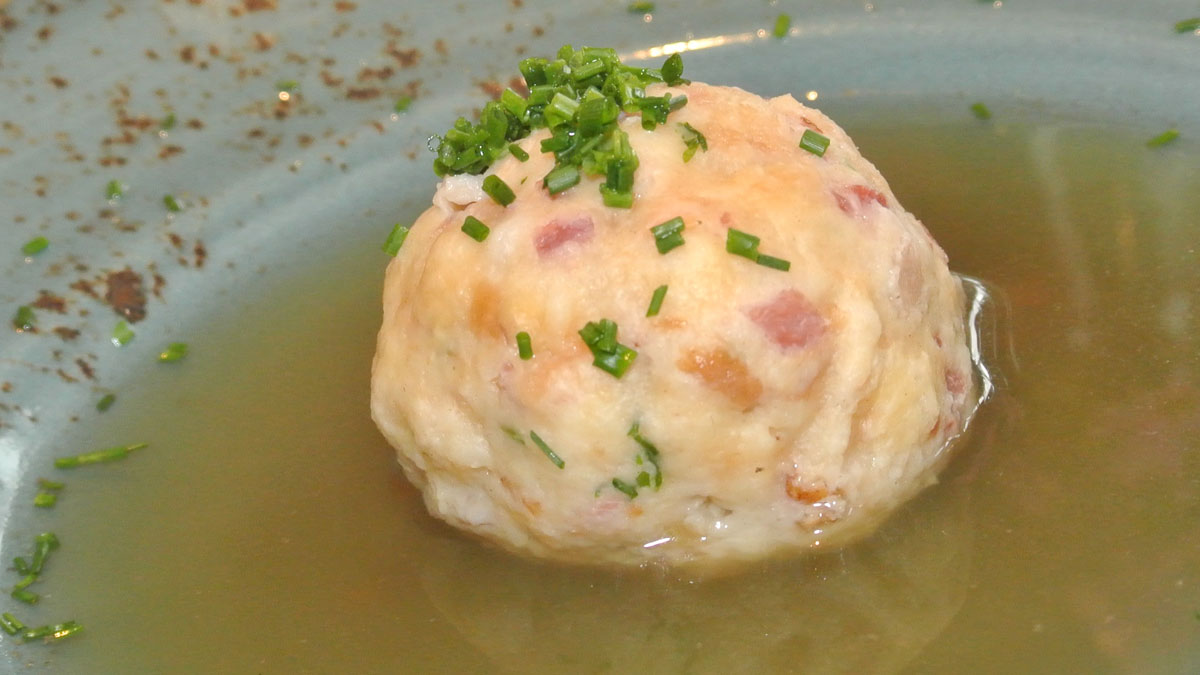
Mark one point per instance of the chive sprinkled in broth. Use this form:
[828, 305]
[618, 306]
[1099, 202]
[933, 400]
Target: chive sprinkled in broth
[402, 104]
[1188, 25]
[11, 624]
[114, 190]
[692, 140]
[35, 246]
[524, 346]
[656, 300]
[640, 7]
[98, 456]
[981, 111]
[550, 454]
[176, 351]
[668, 235]
[45, 500]
[24, 319]
[813, 142]
[475, 229]
[106, 402]
[122, 334]
[1162, 139]
[171, 203]
[395, 239]
[52, 633]
[167, 123]
[498, 190]
[783, 23]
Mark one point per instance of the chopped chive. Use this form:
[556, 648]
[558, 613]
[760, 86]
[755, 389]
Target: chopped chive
[692, 139]
[20, 565]
[1187, 25]
[656, 300]
[167, 122]
[608, 355]
[672, 74]
[553, 456]
[27, 597]
[52, 485]
[98, 456]
[652, 453]
[174, 352]
[11, 624]
[814, 142]
[783, 23]
[513, 434]
[643, 478]
[45, 500]
[43, 544]
[114, 190]
[52, 633]
[402, 104]
[668, 235]
[560, 178]
[106, 402]
[396, 239]
[287, 85]
[773, 262]
[171, 203]
[24, 583]
[622, 486]
[35, 246]
[122, 334]
[981, 111]
[640, 7]
[1163, 138]
[524, 346]
[616, 199]
[24, 319]
[518, 152]
[742, 243]
[475, 229]
[498, 190]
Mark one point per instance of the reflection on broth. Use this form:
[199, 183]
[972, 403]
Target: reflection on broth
[269, 530]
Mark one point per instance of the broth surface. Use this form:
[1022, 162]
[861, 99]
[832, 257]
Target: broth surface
[268, 529]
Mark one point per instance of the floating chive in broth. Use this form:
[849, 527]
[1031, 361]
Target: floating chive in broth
[284, 539]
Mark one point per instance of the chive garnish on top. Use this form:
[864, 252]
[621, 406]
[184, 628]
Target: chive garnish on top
[656, 300]
[813, 142]
[668, 235]
[498, 190]
[24, 319]
[692, 139]
[175, 351]
[524, 346]
[475, 229]
[981, 111]
[608, 355]
[550, 454]
[1188, 25]
[122, 334]
[578, 96]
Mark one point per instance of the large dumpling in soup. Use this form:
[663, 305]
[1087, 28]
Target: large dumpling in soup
[761, 409]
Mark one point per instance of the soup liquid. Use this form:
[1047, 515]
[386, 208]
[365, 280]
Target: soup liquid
[268, 529]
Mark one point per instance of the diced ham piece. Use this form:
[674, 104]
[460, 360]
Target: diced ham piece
[562, 231]
[855, 199]
[789, 319]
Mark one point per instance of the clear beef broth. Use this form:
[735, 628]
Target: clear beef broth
[268, 529]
